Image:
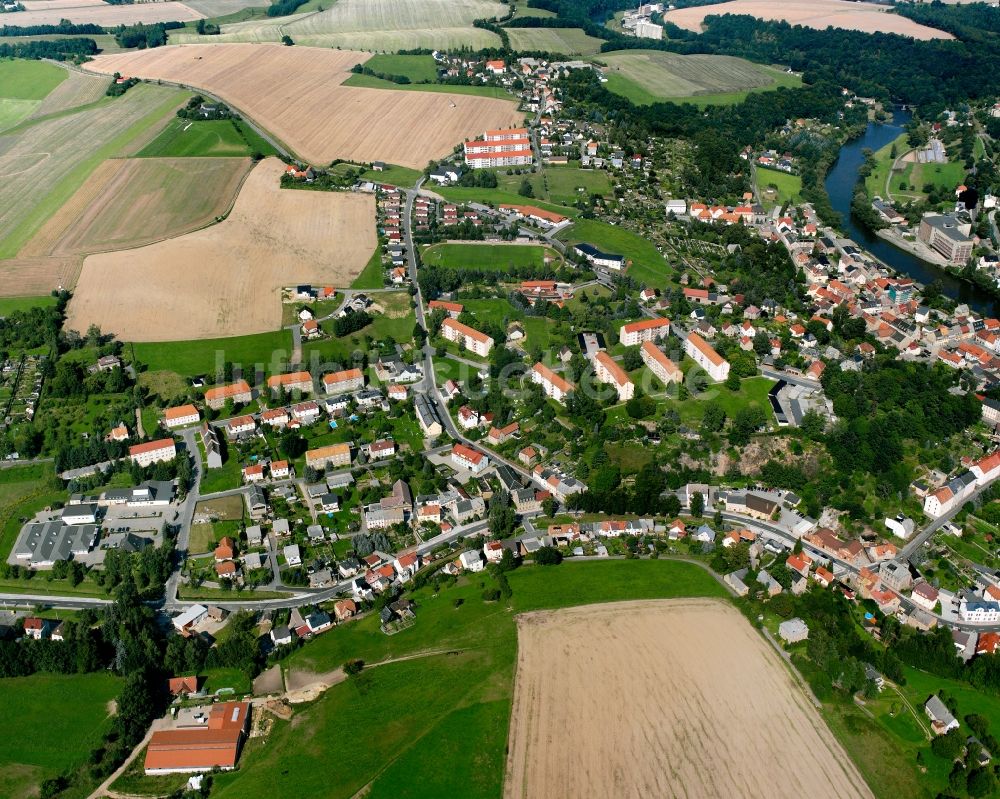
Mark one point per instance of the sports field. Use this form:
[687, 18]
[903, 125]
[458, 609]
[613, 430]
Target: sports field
[653, 697]
[649, 76]
[272, 238]
[129, 202]
[50, 12]
[295, 93]
[377, 25]
[50, 723]
[23, 86]
[45, 162]
[493, 257]
[819, 14]
[568, 41]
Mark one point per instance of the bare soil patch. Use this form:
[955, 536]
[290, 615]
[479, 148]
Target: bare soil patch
[225, 280]
[296, 94]
[819, 14]
[673, 698]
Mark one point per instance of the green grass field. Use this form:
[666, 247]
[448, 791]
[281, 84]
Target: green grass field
[651, 76]
[50, 722]
[415, 67]
[371, 82]
[471, 194]
[486, 256]
[218, 138]
[397, 323]
[188, 358]
[10, 304]
[648, 266]
[461, 705]
[788, 188]
[558, 184]
[371, 275]
[568, 41]
[29, 80]
[393, 175]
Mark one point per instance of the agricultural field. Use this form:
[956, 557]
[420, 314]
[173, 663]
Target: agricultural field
[190, 358]
[465, 695]
[48, 160]
[213, 138]
[371, 82]
[650, 76]
[819, 14]
[568, 41]
[415, 67]
[676, 660]
[648, 266]
[222, 8]
[130, 202]
[493, 257]
[79, 89]
[296, 94]
[50, 723]
[23, 87]
[50, 12]
[271, 238]
[376, 25]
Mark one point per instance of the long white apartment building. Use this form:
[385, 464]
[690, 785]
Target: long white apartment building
[609, 372]
[703, 354]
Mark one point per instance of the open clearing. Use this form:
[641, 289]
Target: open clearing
[383, 25]
[132, 202]
[639, 699]
[819, 14]
[44, 163]
[646, 76]
[569, 41]
[109, 16]
[295, 93]
[225, 280]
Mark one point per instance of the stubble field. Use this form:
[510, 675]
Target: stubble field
[225, 280]
[382, 25]
[818, 14]
[78, 89]
[668, 699]
[295, 94]
[50, 12]
[131, 202]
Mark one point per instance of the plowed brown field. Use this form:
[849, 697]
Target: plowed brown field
[675, 698]
[225, 280]
[295, 93]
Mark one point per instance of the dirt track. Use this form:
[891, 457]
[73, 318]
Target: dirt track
[225, 280]
[818, 14]
[295, 93]
[677, 698]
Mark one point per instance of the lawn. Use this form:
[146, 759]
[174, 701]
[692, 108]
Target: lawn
[29, 80]
[10, 304]
[204, 357]
[788, 187]
[396, 323]
[563, 185]
[491, 257]
[471, 194]
[371, 82]
[462, 699]
[648, 266]
[393, 175]
[218, 138]
[415, 67]
[49, 724]
[537, 329]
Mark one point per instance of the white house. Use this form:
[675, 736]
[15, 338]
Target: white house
[465, 457]
[472, 561]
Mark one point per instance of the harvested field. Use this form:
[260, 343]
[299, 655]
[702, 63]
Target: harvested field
[295, 93]
[640, 698]
[650, 75]
[819, 14]
[50, 12]
[78, 89]
[272, 238]
[131, 202]
[383, 25]
[42, 166]
[571, 41]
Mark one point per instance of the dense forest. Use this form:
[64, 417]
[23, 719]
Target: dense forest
[59, 50]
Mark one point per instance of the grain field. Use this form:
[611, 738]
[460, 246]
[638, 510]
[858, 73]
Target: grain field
[50, 12]
[77, 90]
[225, 280]
[819, 14]
[669, 698]
[295, 93]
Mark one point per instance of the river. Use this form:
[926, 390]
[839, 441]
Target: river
[840, 183]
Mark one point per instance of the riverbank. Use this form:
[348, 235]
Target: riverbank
[916, 248]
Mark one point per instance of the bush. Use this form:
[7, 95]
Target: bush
[948, 746]
[352, 667]
[548, 556]
[491, 595]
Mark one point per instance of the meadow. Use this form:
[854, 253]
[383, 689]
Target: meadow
[650, 76]
[23, 86]
[568, 41]
[203, 357]
[562, 185]
[50, 723]
[493, 257]
[216, 138]
[462, 688]
[648, 266]
[787, 187]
